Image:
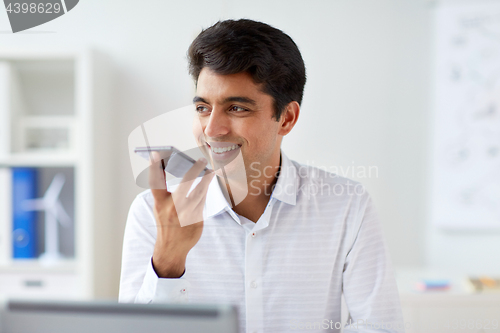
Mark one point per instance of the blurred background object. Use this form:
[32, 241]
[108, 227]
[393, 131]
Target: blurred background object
[55, 194]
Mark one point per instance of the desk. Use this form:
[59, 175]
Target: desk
[456, 310]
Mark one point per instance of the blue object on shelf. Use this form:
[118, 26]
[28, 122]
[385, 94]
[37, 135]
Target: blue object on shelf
[24, 232]
[431, 284]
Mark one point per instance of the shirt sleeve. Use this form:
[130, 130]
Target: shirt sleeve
[139, 282]
[369, 284]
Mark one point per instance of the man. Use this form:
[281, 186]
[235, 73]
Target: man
[299, 238]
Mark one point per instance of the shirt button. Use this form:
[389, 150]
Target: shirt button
[183, 291]
[253, 284]
[253, 234]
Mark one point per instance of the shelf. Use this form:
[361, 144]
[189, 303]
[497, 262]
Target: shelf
[39, 159]
[29, 54]
[30, 266]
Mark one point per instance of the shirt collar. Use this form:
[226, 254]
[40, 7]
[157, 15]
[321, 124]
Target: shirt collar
[215, 202]
[286, 186]
[284, 191]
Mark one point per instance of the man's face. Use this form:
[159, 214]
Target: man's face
[235, 115]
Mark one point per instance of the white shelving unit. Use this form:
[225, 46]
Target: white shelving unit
[54, 115]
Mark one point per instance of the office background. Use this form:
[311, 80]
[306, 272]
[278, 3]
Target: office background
[368, 100]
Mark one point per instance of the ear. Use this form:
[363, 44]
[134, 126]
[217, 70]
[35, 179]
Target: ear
[289, 117]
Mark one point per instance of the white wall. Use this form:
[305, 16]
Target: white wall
[474, 252]
[366, 102]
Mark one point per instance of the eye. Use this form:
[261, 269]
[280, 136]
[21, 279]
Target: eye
[201, 109]
[237, 108]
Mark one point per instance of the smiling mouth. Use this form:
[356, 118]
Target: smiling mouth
[220, 150]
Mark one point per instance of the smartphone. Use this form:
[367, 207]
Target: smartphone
[173, 160]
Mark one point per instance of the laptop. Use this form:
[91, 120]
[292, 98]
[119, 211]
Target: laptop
[21, 316]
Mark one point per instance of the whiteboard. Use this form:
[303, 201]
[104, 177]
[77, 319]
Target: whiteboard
[466, 132]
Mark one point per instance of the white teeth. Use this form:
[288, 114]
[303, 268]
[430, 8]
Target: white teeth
[223, 150]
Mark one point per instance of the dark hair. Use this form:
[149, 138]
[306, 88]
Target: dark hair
[269, 55]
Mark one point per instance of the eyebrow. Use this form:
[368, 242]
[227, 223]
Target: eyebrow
[239, 99]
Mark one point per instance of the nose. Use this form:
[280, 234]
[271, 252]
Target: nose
[218, 124]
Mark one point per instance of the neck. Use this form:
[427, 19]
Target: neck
[259, 191]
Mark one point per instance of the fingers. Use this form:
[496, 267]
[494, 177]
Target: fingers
[190, 176]
[202, 188]
[201, 203]
[157, 177]
[192, 207]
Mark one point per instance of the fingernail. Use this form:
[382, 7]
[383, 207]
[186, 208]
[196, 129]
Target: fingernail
[202, 160]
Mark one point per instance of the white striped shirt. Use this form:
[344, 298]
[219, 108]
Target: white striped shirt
[318, 237]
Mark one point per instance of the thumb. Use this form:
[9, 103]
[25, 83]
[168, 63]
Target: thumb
[157, 182]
